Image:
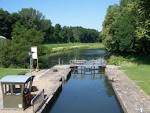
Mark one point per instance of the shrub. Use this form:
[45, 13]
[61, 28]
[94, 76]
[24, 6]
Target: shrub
[116, 60]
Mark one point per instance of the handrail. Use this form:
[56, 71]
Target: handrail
[100, 61]
[37, 101]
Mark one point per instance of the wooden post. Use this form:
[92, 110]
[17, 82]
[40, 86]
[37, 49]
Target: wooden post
[37, 64]
[59, 61]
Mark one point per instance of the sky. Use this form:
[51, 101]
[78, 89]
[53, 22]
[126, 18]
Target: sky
[85, 13]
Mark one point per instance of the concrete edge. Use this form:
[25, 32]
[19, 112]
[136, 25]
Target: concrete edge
[122, 104]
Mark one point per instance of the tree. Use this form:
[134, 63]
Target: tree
[143, 28]
[76, 34]
[107, 33]
[15, 52]
[29, 27]
[32, 18]
[57, 33]
[126, 27]
[5, 24]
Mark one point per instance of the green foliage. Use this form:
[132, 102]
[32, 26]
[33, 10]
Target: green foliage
[32, 18]
[136, 67]
[74, 34]
[15, 52]
[29, 27]
[52, 49]
[116, 60]
[107, 36]
[11, 71]
[84, 35]
[127, 27]
[5, 24]
[139, 74]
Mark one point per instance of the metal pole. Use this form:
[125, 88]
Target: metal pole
[59, 61]
[37, 64]
[31, 63]
[62, 62]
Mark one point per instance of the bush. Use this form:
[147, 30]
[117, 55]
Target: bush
[116, 60]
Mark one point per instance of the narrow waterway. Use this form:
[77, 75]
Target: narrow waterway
[87, 91]
[86, 54]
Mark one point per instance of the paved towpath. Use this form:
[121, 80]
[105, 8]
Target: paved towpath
[130, 96]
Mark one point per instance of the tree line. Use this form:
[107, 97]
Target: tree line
[126, 28]
[29, 27]
[30, 18]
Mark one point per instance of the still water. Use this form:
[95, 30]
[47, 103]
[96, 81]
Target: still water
[87, 91]
[86, 54]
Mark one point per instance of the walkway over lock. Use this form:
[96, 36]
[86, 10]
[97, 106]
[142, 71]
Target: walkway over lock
[88, 63]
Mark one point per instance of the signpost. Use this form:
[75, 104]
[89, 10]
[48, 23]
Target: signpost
[33, 56]
[34, 52]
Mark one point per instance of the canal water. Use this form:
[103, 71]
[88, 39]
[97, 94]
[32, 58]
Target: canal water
[86, 54]
[87, 91]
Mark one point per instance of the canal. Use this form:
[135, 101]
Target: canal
[87, 91]
[86, 54]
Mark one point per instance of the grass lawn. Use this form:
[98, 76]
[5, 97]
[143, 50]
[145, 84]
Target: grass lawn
[70, 45]
[138, 69]
[11, 71]
[54, 48]
[51, 49]
[140, 74]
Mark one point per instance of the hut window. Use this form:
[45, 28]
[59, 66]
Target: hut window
[16, 89]
[7, 89]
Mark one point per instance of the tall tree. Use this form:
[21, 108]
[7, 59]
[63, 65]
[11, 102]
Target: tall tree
[126, 27]
[15, 52]
[5, 24]
[57, 33]
[143, 28]
[107, 33]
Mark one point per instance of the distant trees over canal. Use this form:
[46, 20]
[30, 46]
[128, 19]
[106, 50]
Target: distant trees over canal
[31, 19]
[29, 27]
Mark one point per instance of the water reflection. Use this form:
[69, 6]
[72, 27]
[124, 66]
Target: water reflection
[87, 90]
[87, 73]
[86, 54]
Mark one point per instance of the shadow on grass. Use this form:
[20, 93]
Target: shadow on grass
[139, 59]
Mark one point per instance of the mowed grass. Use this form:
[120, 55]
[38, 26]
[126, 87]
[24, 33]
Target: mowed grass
[70, 45]
[51, 49]
[140, 74]
[54, 48]
[11, 71]
[137, 68]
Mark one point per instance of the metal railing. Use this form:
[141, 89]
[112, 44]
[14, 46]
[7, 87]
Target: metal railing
[38, 101]
[77, 61]
[98, 62]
